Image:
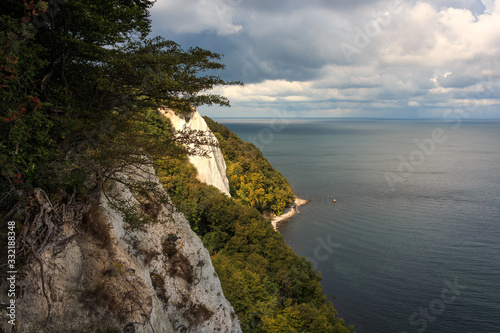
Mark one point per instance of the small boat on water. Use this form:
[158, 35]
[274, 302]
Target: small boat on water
[334, 200]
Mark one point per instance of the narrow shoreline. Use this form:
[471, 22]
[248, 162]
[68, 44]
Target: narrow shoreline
[289, 212]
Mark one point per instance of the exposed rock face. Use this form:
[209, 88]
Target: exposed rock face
[211, 169]
[107, 278]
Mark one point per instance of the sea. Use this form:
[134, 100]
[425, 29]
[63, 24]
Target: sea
[412, 241]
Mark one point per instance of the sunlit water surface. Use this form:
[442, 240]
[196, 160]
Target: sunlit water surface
[412, 243]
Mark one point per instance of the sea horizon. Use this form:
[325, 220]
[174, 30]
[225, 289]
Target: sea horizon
[416, 215]
[353, 118]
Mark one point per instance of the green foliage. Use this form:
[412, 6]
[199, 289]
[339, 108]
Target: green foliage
[133, 217]
[26, 145]
[270, 287]
[78, 81]
[252, 179]
[80, 84]
[119, 268]
[305, 318]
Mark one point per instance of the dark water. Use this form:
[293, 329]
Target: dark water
[413, 242]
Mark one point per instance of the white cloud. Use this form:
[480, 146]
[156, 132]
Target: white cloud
[490, 6]
[195, 16]
[424, 55]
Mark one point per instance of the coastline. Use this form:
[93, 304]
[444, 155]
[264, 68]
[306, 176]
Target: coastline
[289, 212]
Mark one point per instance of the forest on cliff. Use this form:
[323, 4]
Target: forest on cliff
[252, 179]
[81, 83]
[270, 287]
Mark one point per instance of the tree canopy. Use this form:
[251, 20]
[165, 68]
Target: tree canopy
[80, 83]
[77, 78]
[270, 287]
[252, 179]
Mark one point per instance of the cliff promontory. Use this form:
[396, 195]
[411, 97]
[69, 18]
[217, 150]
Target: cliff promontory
[97, 273]
[211, 166]
[92, 240]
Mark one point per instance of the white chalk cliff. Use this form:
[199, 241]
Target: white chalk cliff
[211, 169]
[95, 275]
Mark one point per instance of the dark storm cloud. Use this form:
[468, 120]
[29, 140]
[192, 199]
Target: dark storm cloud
[355, 55]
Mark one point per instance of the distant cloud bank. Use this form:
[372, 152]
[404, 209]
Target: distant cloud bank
[360, 58]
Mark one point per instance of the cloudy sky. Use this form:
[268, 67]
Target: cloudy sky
[346, 58]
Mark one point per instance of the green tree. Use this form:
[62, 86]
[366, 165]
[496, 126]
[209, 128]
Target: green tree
[269, 286]
[80, 86]
[252, 179]
[78, 82]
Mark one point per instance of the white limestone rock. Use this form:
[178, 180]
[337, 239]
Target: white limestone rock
[196, 302]
[211, 170]
[114, 278]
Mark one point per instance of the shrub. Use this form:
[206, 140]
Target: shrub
[170, 245]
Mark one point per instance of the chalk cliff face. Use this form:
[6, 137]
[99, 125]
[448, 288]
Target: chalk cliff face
[94, 275]
[211, 169]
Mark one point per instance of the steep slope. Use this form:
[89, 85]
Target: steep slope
[271, 288]
[126, 261]
[96, 274]
[212, 168]
[252, 179]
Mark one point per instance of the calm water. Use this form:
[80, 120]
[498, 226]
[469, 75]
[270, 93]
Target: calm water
[413, 242]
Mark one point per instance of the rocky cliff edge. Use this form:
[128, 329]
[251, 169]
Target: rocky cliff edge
[212, 167]
[95, 274]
